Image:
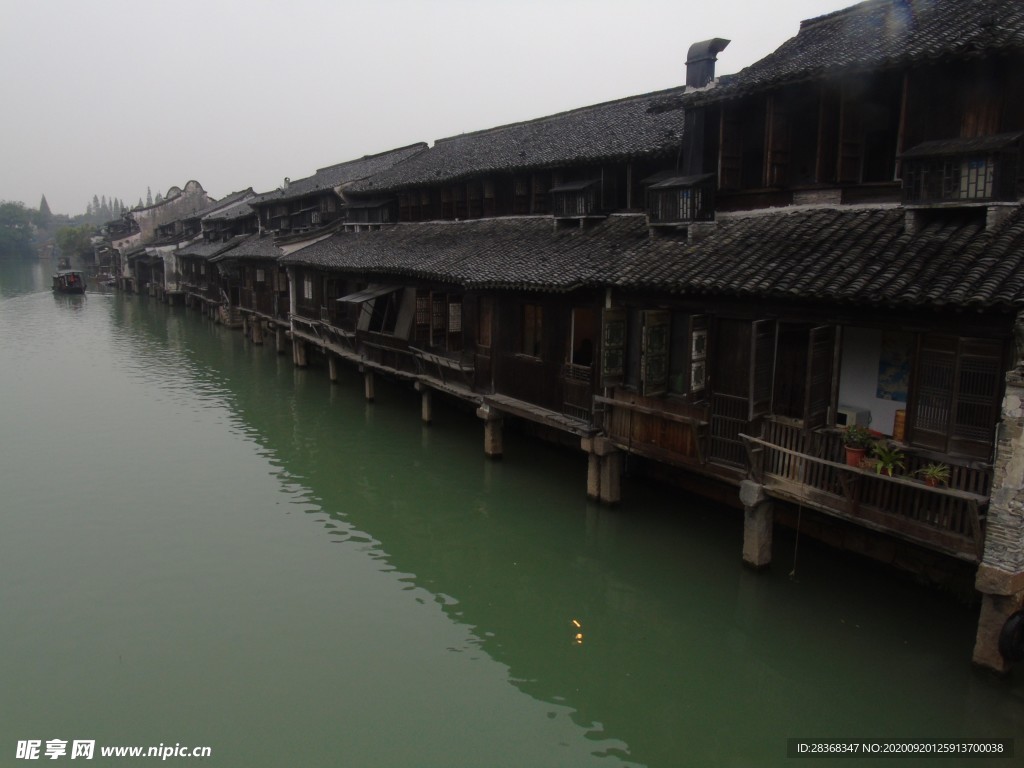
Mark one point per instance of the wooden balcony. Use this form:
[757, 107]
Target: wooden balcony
[806, 468]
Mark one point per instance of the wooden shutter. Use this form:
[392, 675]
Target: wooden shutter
[933, 391]
[654, 353]
[818, 389]
[851, 140]
[956, 395]
[777, 160]
[762, 366]
[976, 405]
[828, 135]
[730, 157]
[613, 346]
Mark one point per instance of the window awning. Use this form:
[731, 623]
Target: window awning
[682, 181]
[574, 186]
[977, 145]
[370, 292]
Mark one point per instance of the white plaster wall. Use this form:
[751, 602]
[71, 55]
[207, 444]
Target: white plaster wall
[858, 377]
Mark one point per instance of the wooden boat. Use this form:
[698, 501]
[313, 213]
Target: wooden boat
[69, 281]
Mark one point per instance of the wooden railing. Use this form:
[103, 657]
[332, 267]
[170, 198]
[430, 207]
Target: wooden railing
[944, 518]
[973, 478]
[577, 390]
[444, 367]
[674, 438]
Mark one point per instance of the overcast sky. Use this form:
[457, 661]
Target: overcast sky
[109, 97]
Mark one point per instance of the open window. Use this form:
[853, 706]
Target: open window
[804, 361]
[581, 343]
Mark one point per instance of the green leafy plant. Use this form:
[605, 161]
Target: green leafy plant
[935, 474]
[857, 437]
[888, 458]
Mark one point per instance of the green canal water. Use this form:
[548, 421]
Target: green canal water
[201, 545]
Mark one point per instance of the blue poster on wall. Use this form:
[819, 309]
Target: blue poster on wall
[894, 365]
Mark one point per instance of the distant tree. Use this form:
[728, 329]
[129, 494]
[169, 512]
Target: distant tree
[76, 241]
[139, 204]
[45, 216]
[158, 199]
[149, 197]
[15, 230]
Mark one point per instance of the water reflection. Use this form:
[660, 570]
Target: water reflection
[684, 651]
[686, 658]
[21, 276]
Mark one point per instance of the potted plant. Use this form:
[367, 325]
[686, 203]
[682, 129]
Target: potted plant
[857, 441]
[934, 475]
[888, 458]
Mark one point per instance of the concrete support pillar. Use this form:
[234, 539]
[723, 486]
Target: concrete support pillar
[245, 326]
[426, 405]
[493, 445]
[604, 470]
[368, 384]
[611, 478]
[757, 525]
[282, 340]
[1000, 576]
[593, 476]
[332, 368]
[299, 354]
[257, 330]
[1002, 596]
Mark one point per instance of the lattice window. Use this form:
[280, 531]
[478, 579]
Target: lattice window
[455, 317]
[955, 397]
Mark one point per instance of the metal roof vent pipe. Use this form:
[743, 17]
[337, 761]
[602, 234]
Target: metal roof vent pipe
[700, 61]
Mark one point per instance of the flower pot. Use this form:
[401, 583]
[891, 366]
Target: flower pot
[931, 482]
[854, 456]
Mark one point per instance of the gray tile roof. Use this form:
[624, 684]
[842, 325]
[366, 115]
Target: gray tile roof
[850, 255]
[256, 247]
[204, 249]
[856, 256]
[340, 174]
[611, 131]
[878, 34]
[513, 252]
[230, 206]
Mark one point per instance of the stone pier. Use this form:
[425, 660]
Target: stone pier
[426, 402]
[257, 329]
[299, 353]
[281, 338]
[493, 446]
[604, 470]
[758, 518]
[368, 384]
[332, 368]
[1000, 576]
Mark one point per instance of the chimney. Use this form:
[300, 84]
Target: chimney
[700, 70]
[700, 61]
[287, 181]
